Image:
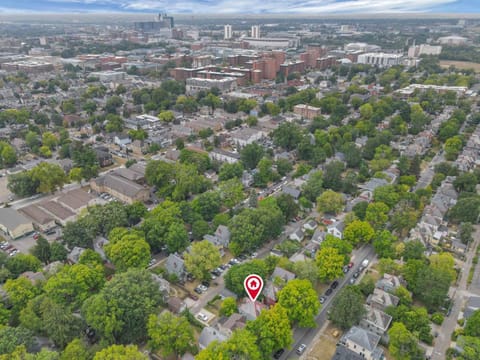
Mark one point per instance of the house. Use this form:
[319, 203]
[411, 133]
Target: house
[336, 229]
[472, 305]
[247, 179]
[245, 136]
[223, 234]
[310, 225]
[295, 193]
[376, 321]
[459, 247]
[75, 254]
[14, 224]
[372, 184]
[362, 342]
[228, 325]
[208, 335]
[34, 277]
[176, 305]
[283, 274]
[343, 353]
[269, 293]
[98, 244]
[163, 285]
[250, 309]
[104, 157]
[389, 283]
[224, 156]
[297, 235]
[381, 299]
[175, 265]
[122, 140]
[318, 236]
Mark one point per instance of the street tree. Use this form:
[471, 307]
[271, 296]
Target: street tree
[330, 202]
[301, 302]
[202, 258]
[120, 352]
[330, 264]
[358, 232]
[347, 308]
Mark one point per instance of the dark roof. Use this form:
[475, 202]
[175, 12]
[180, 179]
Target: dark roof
[11, 218]
[342, 353]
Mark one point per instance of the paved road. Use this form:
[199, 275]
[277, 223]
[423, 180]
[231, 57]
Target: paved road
[305, 336]
[442, 342]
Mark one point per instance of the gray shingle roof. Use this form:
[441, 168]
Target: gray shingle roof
[11, 218]
[363, 338]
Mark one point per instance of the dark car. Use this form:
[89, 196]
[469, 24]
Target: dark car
[328, 292]
[334, 284]
[356, 274]
[206, 283]
[193, 297]
[278, 354]
[198, 290]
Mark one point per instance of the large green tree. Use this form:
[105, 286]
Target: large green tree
[347, 308]
[120, 352]
[202, 258]
[330, 263]
[403, 344]
[301, 302]
[330, 202]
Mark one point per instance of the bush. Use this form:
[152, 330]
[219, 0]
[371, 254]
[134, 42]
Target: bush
[437, 318]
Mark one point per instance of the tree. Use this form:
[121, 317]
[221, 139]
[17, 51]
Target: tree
[300, 300]
[330, 264]
[358, 232]
[50, 177]
[272, 330]
[49, 140]
[287, 135]
[231, 192]
[465, 232]
[58, 252]
[470, 346]
[22, 262]
[22, 184]
[207, 204]
[241, 345]
[403, 344]
[386, 194]
[78, 233]
[11, 337]
[251, 154]
[8, 156]
[171, 334]
[330, 202]
[74, 283]
[166, 116]
[413, 250]
[377, 214]
[176, 238]
[347, 308]
[120, 352]
[465, 210]
[466, 182]
[76, 349]
[229, 171]
[383, 244]
[236, 275]
[415, 319]
[287, 205]
[306, 270]
[211, 101]
[343, 247]
[119, 313]
[332, 176]
[228, 307]
[41, 250]
[202, 258]
[131, 251]
[452, 147]
[437, 281]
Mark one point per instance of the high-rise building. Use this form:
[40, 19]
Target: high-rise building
[228, 32]
[256, 31]
[162, 21]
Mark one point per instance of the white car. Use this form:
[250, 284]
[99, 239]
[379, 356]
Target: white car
[202, 316]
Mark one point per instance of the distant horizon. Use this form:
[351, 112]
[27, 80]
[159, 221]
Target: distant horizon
[244, 7]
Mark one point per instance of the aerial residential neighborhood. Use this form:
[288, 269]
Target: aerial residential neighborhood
[150, 163]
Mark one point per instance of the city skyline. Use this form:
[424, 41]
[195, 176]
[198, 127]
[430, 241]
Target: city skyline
[244, 6]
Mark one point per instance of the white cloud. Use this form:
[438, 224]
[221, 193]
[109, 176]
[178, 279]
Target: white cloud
[267, 6]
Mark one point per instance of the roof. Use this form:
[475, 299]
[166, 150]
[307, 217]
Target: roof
[75, 199]
[291, 191]
[342, 353]
[120, 184]
[362, 337]
[37, 214]
[382, 298]
[58, 210]
[378, 318]
[12, 219]
[208, 335]
[473, 304]
[374, 183]
[283, 274]
[128, 174]
[233, 322]
[139, 168]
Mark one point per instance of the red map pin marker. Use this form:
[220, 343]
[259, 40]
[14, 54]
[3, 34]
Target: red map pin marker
[253, 286]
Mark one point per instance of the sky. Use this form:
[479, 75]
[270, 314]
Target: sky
[227, 7]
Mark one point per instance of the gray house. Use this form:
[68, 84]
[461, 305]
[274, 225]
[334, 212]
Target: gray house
[175, 265]
[363, 342]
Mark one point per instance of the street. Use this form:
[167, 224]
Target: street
[442, 342]
[305, 336]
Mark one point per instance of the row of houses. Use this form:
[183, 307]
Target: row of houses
[362, 342]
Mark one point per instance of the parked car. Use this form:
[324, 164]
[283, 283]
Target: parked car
[202, 288]
[334, 284]
[365, 263]
[352, 281]
[301, 349]
[350, 264]
[328, 292]
[278, 354]
[322, 299]
[198, 290]
[356, 274]
[202, 316]
[193, 297]
[346, 269]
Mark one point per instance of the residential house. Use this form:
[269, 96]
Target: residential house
[98, 244]
[247, 179]
[318, 236]
[381, 299]
[297, 235]
[283, 274]
[224, 156]
[228, 325]
[250, 309]
[389, 283]
[74, 256]
[295, 193]
[104, 157]
[245, 136]
[163, 286]
[310, 225]
[14, 224]
[208, 335]
[459, 247]
[372, 184]
[362, 342]
[342, 353]
[176, 305]
[122, 140]
[175, 265]
[223, 234]
[336, 229]
[376, 321]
